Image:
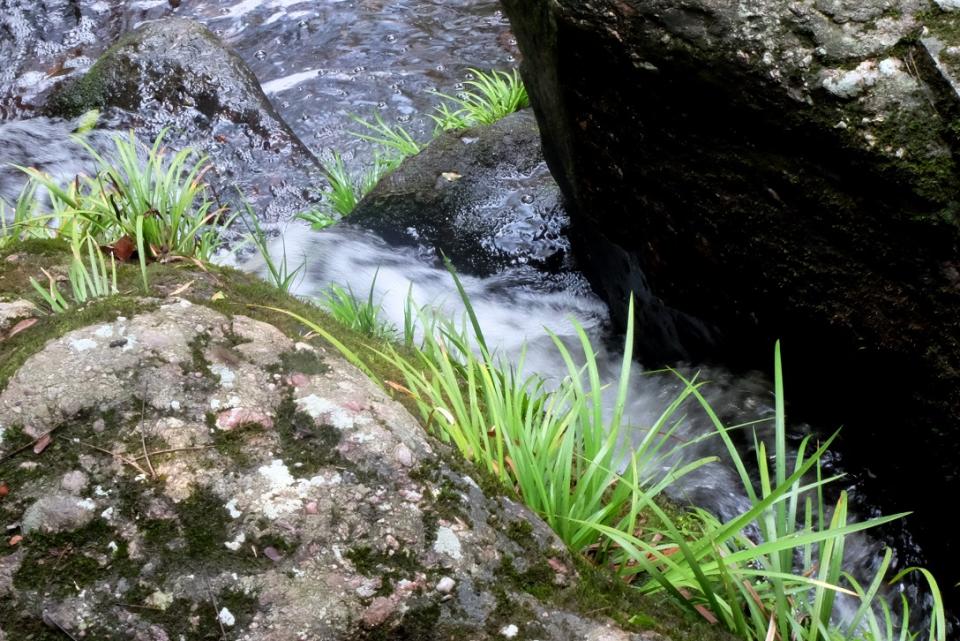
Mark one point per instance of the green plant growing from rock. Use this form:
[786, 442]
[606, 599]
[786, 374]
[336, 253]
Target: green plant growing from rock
[357, 314]
[346, 189]
[491, 96]
[560, 452]
[145, 197]
[88, 277]
[279, 272]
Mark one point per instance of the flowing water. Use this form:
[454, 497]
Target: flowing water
[320, 61]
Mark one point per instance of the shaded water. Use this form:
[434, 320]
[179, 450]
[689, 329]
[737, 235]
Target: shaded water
[320, 61]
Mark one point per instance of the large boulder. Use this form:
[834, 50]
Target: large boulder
[174, 75]
[770, 169]
[173, 468]
[483, 197]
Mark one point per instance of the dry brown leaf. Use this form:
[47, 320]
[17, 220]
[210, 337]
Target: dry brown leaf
[41, 443]
[26, 323]
[772, 629]
[398, 387]
[4, 489]
[123, 249]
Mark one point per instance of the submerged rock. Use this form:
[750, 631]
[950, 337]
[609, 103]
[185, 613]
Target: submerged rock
[769, 169]
[175, 75]
[483, 197]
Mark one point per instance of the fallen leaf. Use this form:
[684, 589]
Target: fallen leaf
[123, 249]
[218, 296]
[42, 443]
[14, 540]
[451, 176]
[26, 323]
[182, 288]
[398, 387]
[4, 489]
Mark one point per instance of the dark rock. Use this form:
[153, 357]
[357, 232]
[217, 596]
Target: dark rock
[484, 197]
[778, 170]
[175, 75]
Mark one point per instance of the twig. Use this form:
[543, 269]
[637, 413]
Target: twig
[143, 438]
[139, 607]
[123, 459]
[49, 620]
[172, 450]
[216, 609]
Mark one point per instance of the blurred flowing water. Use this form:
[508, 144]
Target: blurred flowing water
[321, 61]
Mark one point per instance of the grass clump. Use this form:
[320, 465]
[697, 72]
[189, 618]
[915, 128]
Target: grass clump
[562, 453]
[346, 189]
[88, 277]
[487, 97]
[357, 314]
[142, 201]
[490, 97]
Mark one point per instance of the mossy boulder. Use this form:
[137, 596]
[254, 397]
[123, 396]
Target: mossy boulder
[761, 170]
[188, 466]
[174, 74]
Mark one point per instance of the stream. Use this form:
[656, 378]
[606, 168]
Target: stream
[321, 61]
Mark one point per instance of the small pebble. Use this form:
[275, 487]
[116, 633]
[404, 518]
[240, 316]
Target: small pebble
[226, 617]
[445, 585]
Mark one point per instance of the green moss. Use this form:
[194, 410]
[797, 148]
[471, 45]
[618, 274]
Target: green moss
[187, 619]
[537, 580]
[205, 525]
[301, 361]
[234, 443]
[97, 87]
[370, 562]
[198, 360]
[57, 563]
[305, 445]
[14, 438]
[520, 532]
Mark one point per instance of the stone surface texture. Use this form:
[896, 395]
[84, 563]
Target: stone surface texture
[208, 477]
[483, 197]
[175, 75]
[755, 170]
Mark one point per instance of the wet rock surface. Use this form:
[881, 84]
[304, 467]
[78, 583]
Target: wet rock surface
[483, 197]
[174, 75]
[181, 474]
[777, 170]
